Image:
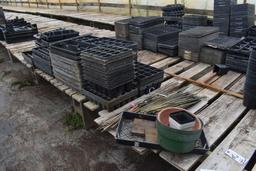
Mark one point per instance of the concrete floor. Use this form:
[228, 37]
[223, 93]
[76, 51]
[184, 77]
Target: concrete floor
[34, 138]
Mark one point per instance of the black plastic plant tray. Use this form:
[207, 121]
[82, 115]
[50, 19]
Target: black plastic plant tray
[169, 48]
[42, 52]
[173, 7]
[58, 34]
[111, 93]
[70, 49]
[161, 33]
[237, 63]
[223, 42]
[143, 22]
[137, 39]
[42, 64]
[18, 39]
[106, 54]
[122, 28]
[251, 33]
[124, 134]
[199, 20]
[147, 76]
[109, 103]
[118, 43]
[243, 9]
[28, 57]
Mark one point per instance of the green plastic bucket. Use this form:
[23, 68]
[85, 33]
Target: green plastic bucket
[175, 140]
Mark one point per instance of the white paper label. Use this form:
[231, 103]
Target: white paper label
[238, 158]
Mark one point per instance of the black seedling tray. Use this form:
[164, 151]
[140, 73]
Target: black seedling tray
[28, 57]
[222, 42]
[44, 39]
[169, 48]
[109, 103]
[118, 43]
[148, 78]
[122, 28]
[124, 134]
[144, 22]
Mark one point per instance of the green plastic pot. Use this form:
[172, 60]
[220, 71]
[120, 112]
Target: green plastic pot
[175, 140]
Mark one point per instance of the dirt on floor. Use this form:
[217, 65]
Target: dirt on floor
[33, 136]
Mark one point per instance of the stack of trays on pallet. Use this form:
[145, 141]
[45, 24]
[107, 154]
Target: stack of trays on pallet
[28, 57]
[66, 61]
[148, 78]
[221, 17]
[191, 41]
[107, 66]
[42, 60]
[109, 74]
[41, 54]
[173, 21]
[138, 25]
[251, 32]
[17, 33]
[214, 51]
[122, 29]
[238, 55]
[168, 47]
[159, 34]
[242, 17]
[174, 10]
[191, 21]
[44, 39]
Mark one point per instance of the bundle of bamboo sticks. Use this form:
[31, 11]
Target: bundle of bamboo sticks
[154, 104]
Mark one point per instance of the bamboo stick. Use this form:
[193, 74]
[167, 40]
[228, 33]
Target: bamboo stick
[238, 95]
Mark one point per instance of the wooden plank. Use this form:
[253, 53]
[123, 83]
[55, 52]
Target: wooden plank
[225, 109]
[242, 140]
[148, 57]
[79, 97]
[91, 106]
[165, 63]
[70, 92]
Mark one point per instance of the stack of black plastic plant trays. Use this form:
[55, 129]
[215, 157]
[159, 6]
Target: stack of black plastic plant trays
[160, 34]
[221, 14]
[138, 25]
[66, 61]
[251, 33]
[18, 31]
[122, 29]
[109, 74]
[191, 21]
[191, 41]
[148, 78]
[250, 83]
[242, 17]
[215, 51]
[172, 14]
[41, 54]
[238, 55]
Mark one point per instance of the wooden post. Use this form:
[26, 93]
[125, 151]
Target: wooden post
[60, 4]
[175, 1]
[21, 3]
[245, 1]
[99, 5]
[130, 7]
[29, 3]
[77, 5]
[15, 2]
[47, 3]
[37, 3]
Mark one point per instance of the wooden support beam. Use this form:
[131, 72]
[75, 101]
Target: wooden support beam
[60, 4]
[130, 7]
[99, 5]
